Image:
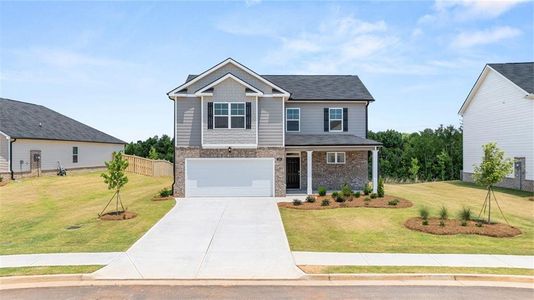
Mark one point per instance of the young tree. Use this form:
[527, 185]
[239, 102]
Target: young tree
[115, 178]
[493, 169]
[414, 168]
[153, 154]
[444, 161]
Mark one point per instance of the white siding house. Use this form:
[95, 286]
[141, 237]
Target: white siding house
[34, 140]
[500, 108]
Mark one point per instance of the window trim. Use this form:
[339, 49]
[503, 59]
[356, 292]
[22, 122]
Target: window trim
[336, 158]
[229, 115]
[288, 108]
[75, 154]
[330, 120]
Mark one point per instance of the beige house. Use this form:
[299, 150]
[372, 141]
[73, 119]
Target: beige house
[35, 140]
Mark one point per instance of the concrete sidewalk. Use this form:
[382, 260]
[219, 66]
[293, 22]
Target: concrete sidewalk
[419, 260]
[57, 259]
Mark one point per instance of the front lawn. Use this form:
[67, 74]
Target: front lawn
[24, 271]
[382, 230]
[412, 270]
[36, 212]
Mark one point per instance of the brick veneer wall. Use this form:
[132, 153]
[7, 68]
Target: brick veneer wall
[181, 153]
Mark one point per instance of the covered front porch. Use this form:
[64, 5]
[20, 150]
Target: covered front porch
[329, 161]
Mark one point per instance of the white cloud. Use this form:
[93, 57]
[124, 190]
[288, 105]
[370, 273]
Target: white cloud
[484, 37]
[445, 11]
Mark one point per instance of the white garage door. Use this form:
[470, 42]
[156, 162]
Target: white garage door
[227, 177]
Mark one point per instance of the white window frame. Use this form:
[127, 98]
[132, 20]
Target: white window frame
[330, 119]
[229, 116]
[336, 158]
[77, 154]
[287, 120]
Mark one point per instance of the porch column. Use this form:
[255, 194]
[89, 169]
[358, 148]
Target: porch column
[375, 170]
[309, 171]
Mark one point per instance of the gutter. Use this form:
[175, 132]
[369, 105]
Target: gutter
[11, 158]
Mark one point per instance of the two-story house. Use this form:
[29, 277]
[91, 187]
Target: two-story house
[238, 133]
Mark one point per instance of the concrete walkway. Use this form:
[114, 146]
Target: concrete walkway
[233, 238]
[57, 259]
[401, 259]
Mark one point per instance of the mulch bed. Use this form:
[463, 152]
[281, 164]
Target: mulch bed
[454, 227]
[158, 198]
[3, 182]
[356, 202]
[121, 215]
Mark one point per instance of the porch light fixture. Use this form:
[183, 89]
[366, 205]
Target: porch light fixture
[229, 149]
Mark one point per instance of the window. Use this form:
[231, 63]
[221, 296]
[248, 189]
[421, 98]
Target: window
[238, 115]
[293, 119]
[335, 157]
[336, 119]
[229, 115]
[75, 155]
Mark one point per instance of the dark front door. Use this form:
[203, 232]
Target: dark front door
[293, 172]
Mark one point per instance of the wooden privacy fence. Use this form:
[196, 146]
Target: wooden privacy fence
[148, 167]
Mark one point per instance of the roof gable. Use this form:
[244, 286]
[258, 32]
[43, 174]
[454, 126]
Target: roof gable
[521, 74]
[208, 89]
[26, 120]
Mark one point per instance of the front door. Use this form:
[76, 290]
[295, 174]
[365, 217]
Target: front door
[35, 162]
[293, 172]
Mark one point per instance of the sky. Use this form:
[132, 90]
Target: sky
[110, 64]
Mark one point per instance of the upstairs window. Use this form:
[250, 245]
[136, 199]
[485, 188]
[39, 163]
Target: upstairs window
[220, 115]
[336, 119]
[293, 119]
[75, 155]
[237, 115]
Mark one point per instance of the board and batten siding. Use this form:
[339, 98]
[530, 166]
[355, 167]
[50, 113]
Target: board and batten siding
[188, 118]
[271, 118]
[89, 154]
[4, 153]
[229, 90]
[499, 112]
[312, 117]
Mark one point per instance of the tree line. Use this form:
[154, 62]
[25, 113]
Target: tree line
[420, 156]
[154, 148]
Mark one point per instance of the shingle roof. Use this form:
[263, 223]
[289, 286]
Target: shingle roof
[328, 140]
[26, 120]
[319, 87]
[522, 74]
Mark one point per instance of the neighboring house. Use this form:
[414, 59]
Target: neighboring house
[35, 139]
[238, 133]
[500, 108]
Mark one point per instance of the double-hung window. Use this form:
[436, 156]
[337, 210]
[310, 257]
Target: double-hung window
[293, 119]
[335, 157]
[75, 155]
[229, 115]
[335, 119]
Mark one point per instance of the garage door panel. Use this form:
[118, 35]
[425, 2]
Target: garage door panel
[229, 177]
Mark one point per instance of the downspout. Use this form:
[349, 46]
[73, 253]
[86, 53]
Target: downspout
[11, 158]
[174, 144]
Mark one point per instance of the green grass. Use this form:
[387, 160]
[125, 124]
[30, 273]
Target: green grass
[382, 230]
[36, 212]
[48, 270]
[412, 270]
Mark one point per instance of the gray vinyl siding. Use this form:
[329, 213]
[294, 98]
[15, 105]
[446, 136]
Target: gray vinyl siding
[229, 91]
[311, 117]
[188, 122]
[270, 129]
[229, 68]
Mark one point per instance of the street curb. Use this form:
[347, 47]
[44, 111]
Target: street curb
[407, 277]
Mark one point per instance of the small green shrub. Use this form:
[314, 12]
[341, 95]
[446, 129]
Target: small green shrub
[334, 195]
[325, 202]
[463, 223]
[393, 202]
[165, 192]
[424, 213]
[373, 195]
[340, 199]
[380, 188]
[310, 199]
[478, 224]
[465, 214]
[443, 213]
[367, 188]
[357, 194]
[322, 191]
[425, 222]
[346, 190]
[297, 202]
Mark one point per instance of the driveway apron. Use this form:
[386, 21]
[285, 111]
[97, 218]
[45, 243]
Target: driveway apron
[211, 238]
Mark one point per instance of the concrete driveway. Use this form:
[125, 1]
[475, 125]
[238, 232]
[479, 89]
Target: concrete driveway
[211, 238]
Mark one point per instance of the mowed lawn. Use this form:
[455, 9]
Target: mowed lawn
[35, 213]
[382, 230]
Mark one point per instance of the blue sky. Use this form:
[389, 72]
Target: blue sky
[109, 64]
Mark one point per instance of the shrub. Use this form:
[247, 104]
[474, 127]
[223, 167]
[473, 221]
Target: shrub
[310, 199]
[165, 192]
[380, 188]
[322, 191]
[340, 199]
[465, 214]
[424, 213]
[334, 195]
[325, 202]
[443, 213]
[425, 222]
[346, 190]
[357, 194]
[367, 188]
[367, 199]
[393, 202]
[297, 202]
[1, 178]
[373, 195]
